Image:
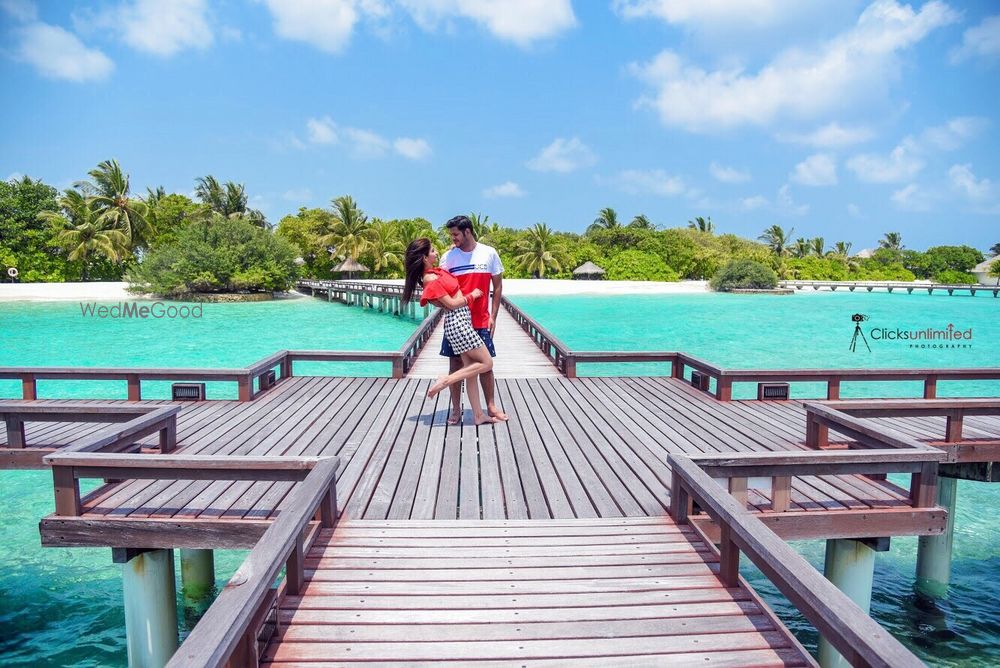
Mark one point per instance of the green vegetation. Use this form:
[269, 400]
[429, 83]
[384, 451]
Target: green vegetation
[101, 230]
[227, 255]
[745, 275]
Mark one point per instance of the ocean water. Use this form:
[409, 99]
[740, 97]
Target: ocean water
[62, 607]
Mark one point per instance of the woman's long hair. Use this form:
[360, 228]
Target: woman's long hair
[413, 264]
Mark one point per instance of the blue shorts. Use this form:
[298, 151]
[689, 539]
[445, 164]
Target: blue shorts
[484, 334]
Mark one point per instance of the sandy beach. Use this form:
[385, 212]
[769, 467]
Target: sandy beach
[115, 291]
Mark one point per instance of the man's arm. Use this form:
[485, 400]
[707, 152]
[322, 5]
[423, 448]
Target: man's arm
[497, 295]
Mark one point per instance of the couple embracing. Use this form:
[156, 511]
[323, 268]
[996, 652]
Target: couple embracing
[461, 285]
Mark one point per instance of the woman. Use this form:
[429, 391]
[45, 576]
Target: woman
[441, 289]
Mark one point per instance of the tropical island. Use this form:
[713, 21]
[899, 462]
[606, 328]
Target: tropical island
[174, 246]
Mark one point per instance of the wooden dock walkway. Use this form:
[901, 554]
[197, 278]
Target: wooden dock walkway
[581, 448]
[517, 355]
[634, 591]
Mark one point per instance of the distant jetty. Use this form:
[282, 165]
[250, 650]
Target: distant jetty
[890, 286]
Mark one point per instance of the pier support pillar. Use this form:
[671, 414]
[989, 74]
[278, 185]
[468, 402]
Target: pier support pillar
[197, 580]
[150, 608]
[850, 566]
[934, 552]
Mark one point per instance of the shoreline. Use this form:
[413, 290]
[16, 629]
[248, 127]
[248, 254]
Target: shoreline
[116, 291]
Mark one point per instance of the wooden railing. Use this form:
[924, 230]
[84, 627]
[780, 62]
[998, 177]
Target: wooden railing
[130, 423]
[227, 634]
[953, 410]
[546, 342]
[418, 340]
[388, 289]
[838, 619]
[68, 467]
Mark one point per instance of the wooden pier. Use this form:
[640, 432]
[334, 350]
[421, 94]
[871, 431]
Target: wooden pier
[969, 289]
[603, 523]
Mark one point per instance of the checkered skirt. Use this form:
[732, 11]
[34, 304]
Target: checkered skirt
[459, 332]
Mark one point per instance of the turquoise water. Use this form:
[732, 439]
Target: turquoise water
[813, 330]
[62, 607]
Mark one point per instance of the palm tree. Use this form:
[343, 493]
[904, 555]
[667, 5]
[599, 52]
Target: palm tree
[702, 224]
[538, 251]
[892, 241]
[802, 248]
[842, 248]
[153, 197]
[481, 227]
[642, 222]
[228, 199]
[113, 203]
[414, 228]
[607, 219]
[995, 249]
[82, 230]
[350, 233]
[817, 246]
[777, 239]
[384, 246]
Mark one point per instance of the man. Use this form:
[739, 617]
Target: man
[475, 265]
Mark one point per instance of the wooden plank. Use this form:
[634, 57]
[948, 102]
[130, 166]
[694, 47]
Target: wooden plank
[522, 650]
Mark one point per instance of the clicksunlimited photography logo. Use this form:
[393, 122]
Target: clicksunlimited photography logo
[947, 337]
[135, 310]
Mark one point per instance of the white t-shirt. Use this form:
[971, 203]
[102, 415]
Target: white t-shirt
[474, 269]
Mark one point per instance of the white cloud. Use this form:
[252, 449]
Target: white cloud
[649, 182]
[230, 34]
[907, 159]
[816, 170]
[728, 174]
[963, 180]
[505, 189]
[707, 12]
[982, 40]
[365, 144]
[322, 130]
[20, 10]
[755, 202]
[59, 54]
[853, 210]
[324, 24]
[787, 205]
[902, 164]
[830, 135]
[563, 155]
[912, 198]
[414, 149]
[518, 21]
[160, 28]
[297, 195]
[852, 66]
[953, 134]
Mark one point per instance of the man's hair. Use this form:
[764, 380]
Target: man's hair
[462, 223]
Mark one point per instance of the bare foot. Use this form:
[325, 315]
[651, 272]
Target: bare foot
[485, 419]
[498, 414]
[438, 385]
[455, 417]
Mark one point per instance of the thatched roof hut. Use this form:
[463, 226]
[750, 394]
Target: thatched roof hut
[588, 271]
[982, 271]
[350, 268]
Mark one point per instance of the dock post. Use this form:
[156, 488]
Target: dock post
[850, 566]
[197, 580]
[934, 552]
[150, 607]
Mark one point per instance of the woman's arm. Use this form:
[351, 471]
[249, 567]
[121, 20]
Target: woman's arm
[457, 301]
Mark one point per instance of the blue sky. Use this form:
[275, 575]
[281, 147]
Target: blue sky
[841, 119]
